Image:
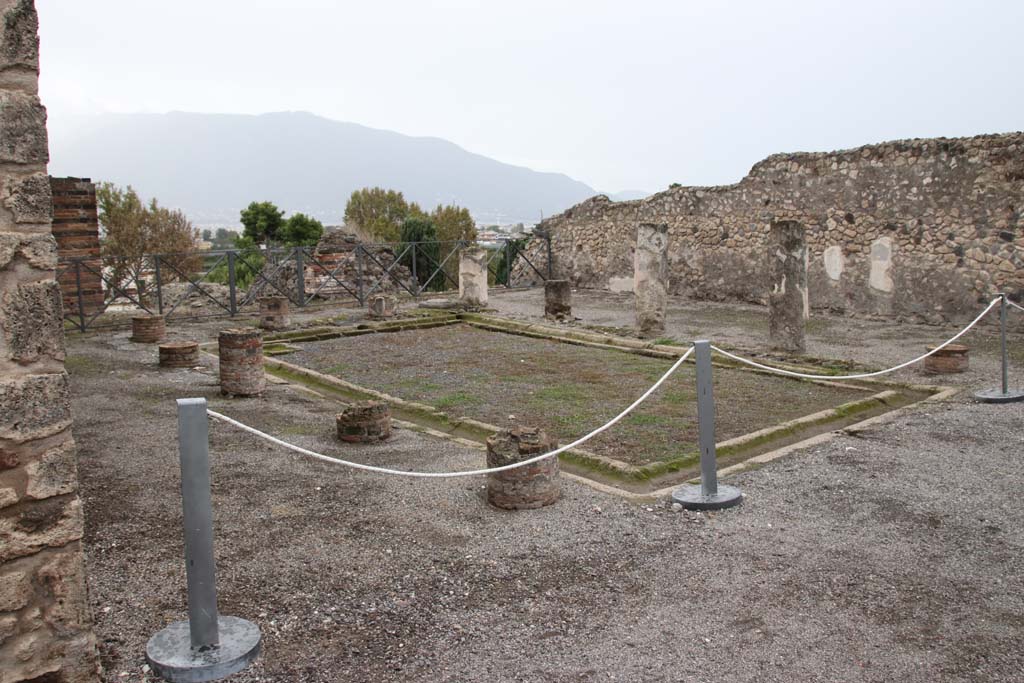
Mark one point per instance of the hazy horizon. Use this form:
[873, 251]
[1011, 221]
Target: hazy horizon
[618, 98]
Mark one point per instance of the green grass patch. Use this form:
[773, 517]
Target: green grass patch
[459, 399]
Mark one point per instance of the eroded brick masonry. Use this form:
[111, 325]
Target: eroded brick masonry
[922, 229]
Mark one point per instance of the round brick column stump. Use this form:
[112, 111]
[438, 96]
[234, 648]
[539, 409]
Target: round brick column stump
[948, 360]
[148, 329]
[274, 312]
[382, 306]
[241, 362]
[365, 422]
[179, 354]
[523, 488]
[557, 299]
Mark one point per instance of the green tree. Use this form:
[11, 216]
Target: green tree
[301, 230]
[420, 230]
[132, 231]
[262, 221]
[453, 223]
[378, 212]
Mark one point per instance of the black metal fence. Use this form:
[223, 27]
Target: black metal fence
[101, 290]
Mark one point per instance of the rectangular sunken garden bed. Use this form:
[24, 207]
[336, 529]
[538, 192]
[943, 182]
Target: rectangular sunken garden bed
[460, 371]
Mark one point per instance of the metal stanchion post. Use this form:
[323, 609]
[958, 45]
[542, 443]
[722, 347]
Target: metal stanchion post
[709, 495]
[1004, 394]
[208, 646]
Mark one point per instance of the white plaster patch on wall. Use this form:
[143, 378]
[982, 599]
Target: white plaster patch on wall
[834, 262]
[880, 277]
[620, 284]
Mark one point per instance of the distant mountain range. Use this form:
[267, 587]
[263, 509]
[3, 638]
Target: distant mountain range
[212, 165]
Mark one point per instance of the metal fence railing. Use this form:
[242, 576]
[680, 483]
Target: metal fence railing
[101, 290]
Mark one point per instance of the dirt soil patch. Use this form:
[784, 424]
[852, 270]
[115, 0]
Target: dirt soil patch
[565, 389]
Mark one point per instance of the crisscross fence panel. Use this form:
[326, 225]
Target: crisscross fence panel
[103, 291]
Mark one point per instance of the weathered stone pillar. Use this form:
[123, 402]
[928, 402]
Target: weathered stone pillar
[45, 620]
[473, 277]
[788, 307]
[650, 278]
[241, 362]
[364, 422]
[382, 306]
[527, 487]
[557, 299]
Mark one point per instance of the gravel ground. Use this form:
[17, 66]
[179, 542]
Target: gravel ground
[892, 555]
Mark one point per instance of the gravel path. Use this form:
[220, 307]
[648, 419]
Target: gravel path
[892, 555]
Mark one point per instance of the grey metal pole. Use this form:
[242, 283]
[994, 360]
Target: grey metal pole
[1002, 343]
[300, 275]
[193, 440]
[359, 275]
[415, 279]
[1004, 394]
[706, 419]
[232, 292]
[709, 495]
[208, 646]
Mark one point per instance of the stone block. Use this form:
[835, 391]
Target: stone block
[22, 129]
[31, 317]
[274, 312]
[19, 36]
[30, 527]
[557, 299]
[62, 582]
[39, 251]
[28, 198]
[34, 407]
[15, 588]
[381, 306]
[54, 473]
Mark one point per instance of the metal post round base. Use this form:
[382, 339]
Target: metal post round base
[171, 656]
[997, 395]
[692, 498]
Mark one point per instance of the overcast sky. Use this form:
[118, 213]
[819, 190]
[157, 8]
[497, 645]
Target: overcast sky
[621, 95]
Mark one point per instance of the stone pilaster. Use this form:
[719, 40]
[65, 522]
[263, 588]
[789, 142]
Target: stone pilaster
[650, 278]
[473, 277]
[45, 622]
[787, 282]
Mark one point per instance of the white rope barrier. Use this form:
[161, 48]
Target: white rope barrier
[863, 375]
[1017, 306]
[468, 473]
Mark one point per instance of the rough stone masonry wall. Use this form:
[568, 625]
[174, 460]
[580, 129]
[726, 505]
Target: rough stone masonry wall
[922, 229]
[45, 632]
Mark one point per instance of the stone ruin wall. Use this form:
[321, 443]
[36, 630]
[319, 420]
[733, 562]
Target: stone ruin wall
[45, 632]
[924, 230]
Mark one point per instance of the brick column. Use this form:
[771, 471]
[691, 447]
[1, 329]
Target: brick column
[45, 622]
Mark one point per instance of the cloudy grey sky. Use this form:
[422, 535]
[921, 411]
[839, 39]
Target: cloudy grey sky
[620, 95]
